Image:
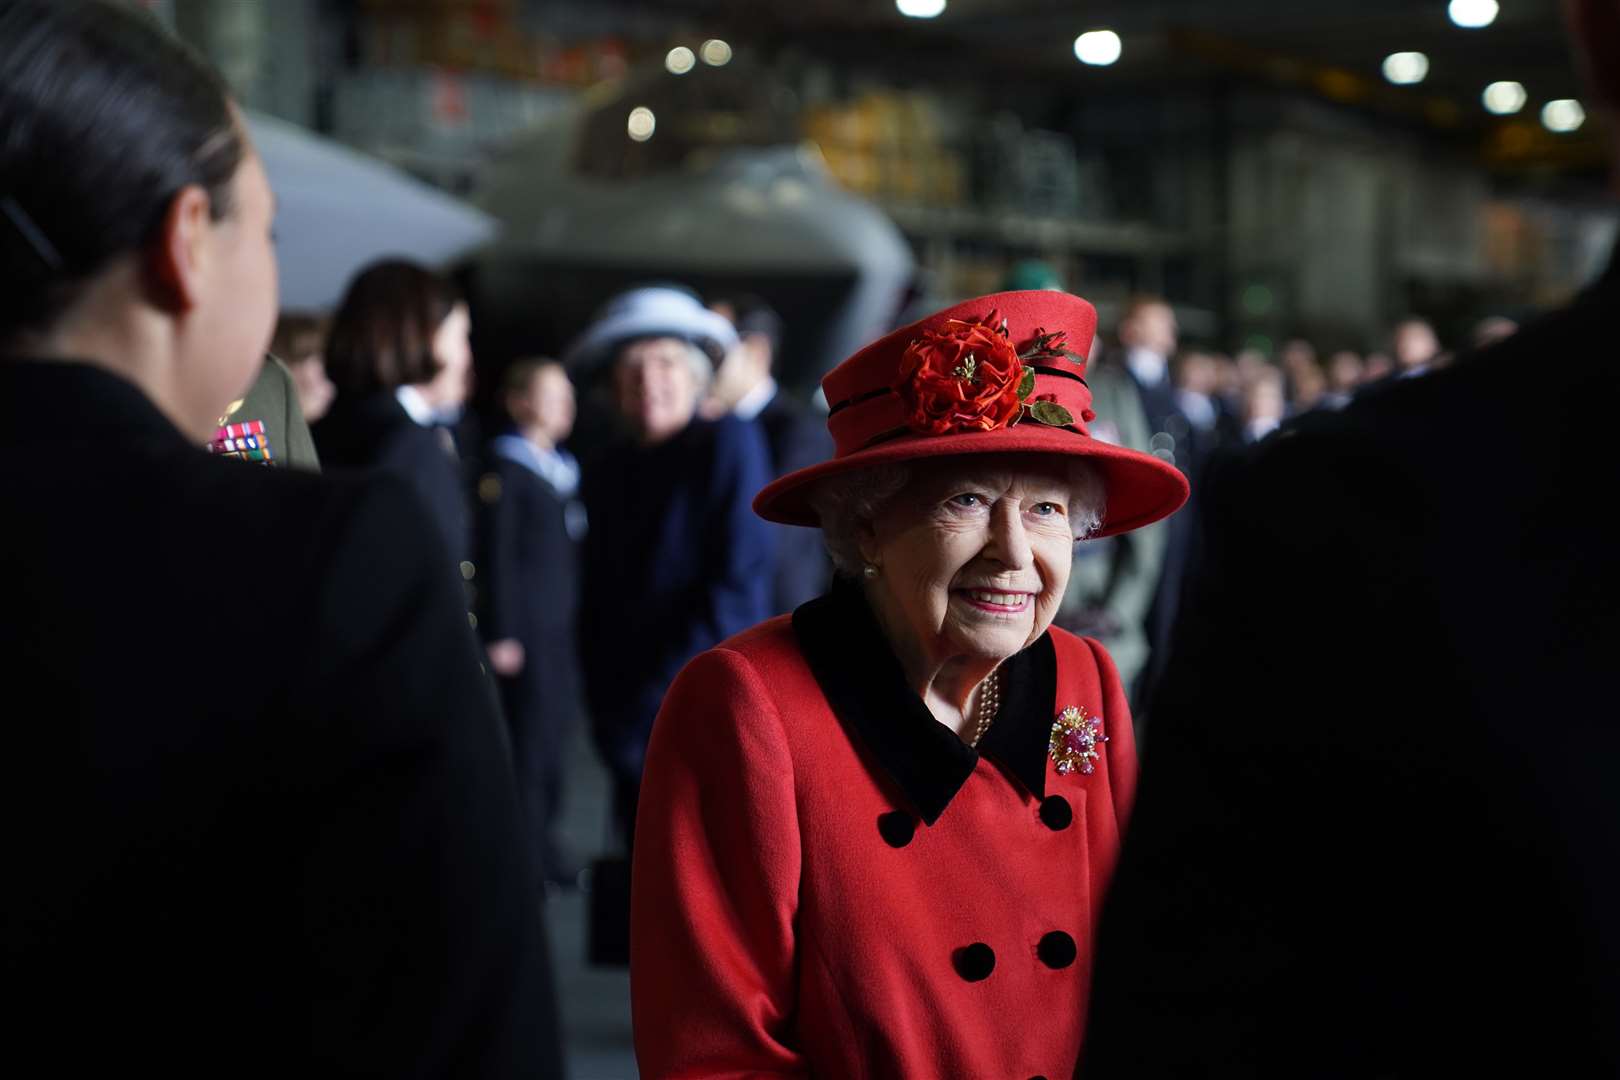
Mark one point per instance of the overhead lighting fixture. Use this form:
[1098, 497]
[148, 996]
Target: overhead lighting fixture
[1504, 98]
[1563, 116]
[1406, 68]
[642, 123]
[1473, 14]
[1097, 47]
[680, 60]
[715, 53]
[920, 9]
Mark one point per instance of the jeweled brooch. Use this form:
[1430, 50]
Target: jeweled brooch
[1076, 741]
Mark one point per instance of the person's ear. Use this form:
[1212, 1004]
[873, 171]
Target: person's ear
[179, 257]
[866, 539]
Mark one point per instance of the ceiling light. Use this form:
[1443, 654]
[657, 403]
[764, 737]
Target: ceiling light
[715, 52]
[1473, 14]
[920, 9]
[1504, 98]
[1564, 115]
[680, 60]
[1406, 68]
[642, 123]
[1097, 47]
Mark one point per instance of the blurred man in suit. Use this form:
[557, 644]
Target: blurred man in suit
[1148, 335]
[1113, 580]
[797, 437]
[1396, 861]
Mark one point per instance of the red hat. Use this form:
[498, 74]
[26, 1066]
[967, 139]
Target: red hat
[1001, 374]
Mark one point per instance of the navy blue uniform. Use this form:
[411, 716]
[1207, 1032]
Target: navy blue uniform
[375, 431]
[256, 801]
[677, 562]
[529, 571]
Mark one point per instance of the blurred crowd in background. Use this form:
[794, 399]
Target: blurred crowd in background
[626, 474]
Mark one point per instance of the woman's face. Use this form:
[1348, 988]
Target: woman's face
[656, 388]
[554, 403]
[235, 310]
[452, 348]
[973, 557]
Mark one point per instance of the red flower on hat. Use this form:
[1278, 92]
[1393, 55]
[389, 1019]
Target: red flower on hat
[964, 376]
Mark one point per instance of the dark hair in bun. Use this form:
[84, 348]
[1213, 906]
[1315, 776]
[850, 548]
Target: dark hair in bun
[104, 118]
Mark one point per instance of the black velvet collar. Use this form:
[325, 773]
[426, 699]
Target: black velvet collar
[861, 677]
[66, 402]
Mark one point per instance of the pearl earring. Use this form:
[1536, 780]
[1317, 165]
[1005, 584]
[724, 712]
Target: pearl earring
[870, 571]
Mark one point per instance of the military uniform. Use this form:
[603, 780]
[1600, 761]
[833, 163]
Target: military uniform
[267, 425]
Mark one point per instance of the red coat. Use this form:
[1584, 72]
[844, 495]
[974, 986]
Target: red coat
[828, 882]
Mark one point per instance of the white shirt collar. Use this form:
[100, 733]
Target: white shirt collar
[1197, 408]
[415, 405]
[751, 404]
[554, 465]
[1148, 366]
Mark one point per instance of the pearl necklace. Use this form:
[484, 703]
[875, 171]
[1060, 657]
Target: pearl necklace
[989, 704]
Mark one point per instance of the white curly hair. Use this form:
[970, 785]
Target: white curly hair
[846, 502]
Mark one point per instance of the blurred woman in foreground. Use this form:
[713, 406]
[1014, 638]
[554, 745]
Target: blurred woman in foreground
[258, 814]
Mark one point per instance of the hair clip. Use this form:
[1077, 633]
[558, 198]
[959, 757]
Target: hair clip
[31, 234]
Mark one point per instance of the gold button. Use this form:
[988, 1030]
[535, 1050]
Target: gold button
[468, 570]
[489, 488]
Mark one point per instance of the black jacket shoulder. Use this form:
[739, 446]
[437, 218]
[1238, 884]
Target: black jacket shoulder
[246, 697]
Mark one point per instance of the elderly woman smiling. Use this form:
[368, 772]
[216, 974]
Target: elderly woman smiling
[874, 836]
